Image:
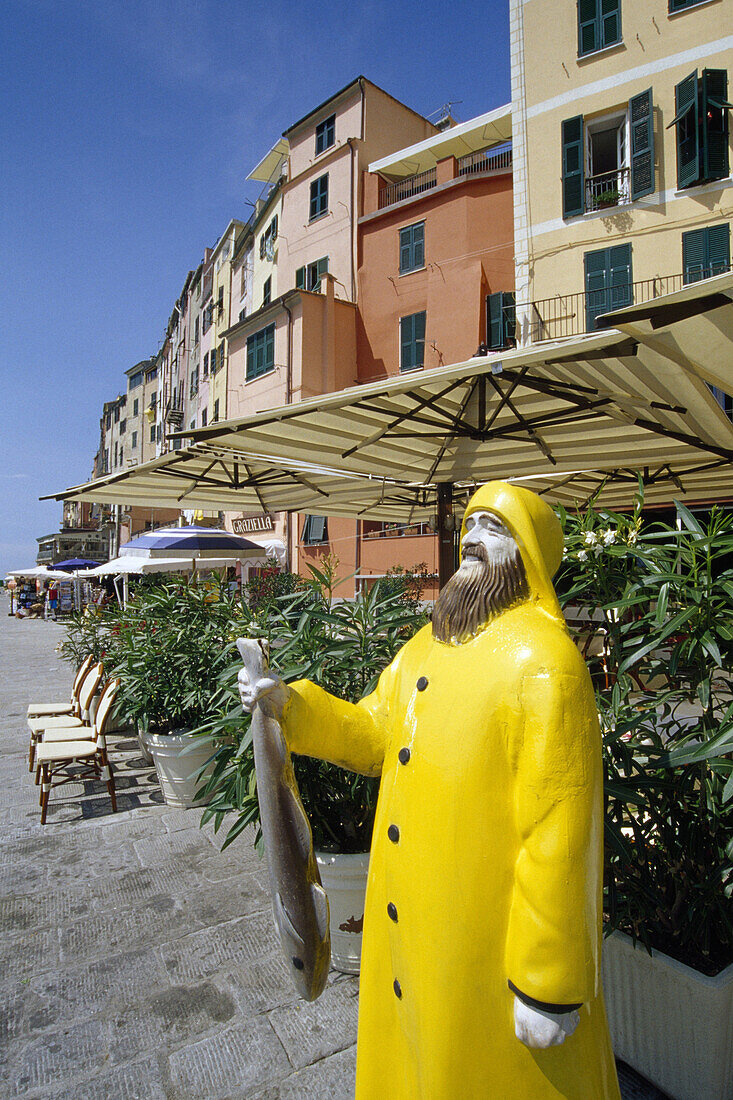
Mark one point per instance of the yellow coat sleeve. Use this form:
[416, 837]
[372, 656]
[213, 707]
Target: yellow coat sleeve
[353, 735]
[553, 934]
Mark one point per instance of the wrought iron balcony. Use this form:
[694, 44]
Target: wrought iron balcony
[607, 190]
[407, 188]
[486, 160]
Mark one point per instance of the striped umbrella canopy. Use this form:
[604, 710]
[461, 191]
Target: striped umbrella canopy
[199, 541]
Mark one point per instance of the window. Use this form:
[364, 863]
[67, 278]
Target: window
[309, 277]
[204, 417]
[412, 247]
[261, 352]
[608, 283]
[135, 406]
[136, 379]
[212, 361]
[206, 365]
[177, 444]
[501, 324]
[242, 314]
[319, 197]
[608, 161]
[599, 25]
[706, 252]
[208, 310]
[267, 242]
[116, 454]
[220, 301]
[122, 461]
[134, 440]
[152, 433]
[108, 420]
[123, 425]
[216, 411]
[117, 415]
[192, 425]
[267, 291]
[325, 134]
[412, 341]
[701, 118]
[194, 380]
[243, 285]
[159, 432]
[106, 462]
[680, 5]
[151, 375]
[196, 331]
[315, 530]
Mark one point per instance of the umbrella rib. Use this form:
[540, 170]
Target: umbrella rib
[451, 435]
[409, 415]
[255, 486]
[682, 437]
[524, 423]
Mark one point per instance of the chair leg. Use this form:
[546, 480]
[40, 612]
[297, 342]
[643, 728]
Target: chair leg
[45, 792]
[31, 754]
[38, 775]
[107, 776]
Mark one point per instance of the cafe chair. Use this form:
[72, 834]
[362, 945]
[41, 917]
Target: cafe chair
[39, 710]
[39, 726]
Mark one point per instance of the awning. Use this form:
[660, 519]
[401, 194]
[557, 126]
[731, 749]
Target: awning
[42, 572]
[130, 564]
[692, 327]
[492, 128]
[269, 164]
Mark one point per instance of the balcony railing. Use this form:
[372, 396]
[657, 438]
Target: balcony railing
[607, 190]
[407, 188]
[486, 160]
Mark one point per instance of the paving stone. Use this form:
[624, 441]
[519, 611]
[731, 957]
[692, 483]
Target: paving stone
[17, 962]
[41, 911]
[231, 1064]
[157, 849]
[138, 1081]
[173, 1016]
[224, 901]
[313, 1030]
[333, 1078]
[57, 1057]
[263, 984]
[155, 920]
[222, 948]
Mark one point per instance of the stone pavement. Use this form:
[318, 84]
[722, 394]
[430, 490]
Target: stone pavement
[137, 961]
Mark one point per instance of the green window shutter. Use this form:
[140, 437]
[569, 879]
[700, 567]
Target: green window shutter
[405, 249]
[572, 166]
[509, 317]
[406, 343]
[610, 22]
[495, 321]
[418, 245]
[589, 36]
[300, 278]
[419, 330]
[714, 115]
[693, 255]
[412, 341]
[619, 264]
[688, 135]
[641, 118]
[718, 248]
[608, 282]
[680, 5]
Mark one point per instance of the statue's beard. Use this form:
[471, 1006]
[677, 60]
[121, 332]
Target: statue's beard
[478, 593]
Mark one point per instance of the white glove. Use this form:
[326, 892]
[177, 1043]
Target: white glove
[539, 1030]
[269, 690]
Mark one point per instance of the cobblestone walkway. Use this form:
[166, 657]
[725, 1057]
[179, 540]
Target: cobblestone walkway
[137, 961]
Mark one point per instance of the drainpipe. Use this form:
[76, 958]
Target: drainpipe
[288, 401]
[352, 205]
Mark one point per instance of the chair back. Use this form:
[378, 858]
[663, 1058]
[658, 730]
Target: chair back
[79, 678]
[88, 689]
[104, 709]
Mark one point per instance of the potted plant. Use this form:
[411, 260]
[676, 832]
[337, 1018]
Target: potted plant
[608, 197]
[662, 595]
[344, 646]
[170, 645]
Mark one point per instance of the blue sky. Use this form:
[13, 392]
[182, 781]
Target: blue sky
[127, 129]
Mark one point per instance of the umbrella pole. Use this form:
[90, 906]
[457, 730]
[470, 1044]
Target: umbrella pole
[446, 530]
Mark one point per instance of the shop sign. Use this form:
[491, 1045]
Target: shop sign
[251, 524]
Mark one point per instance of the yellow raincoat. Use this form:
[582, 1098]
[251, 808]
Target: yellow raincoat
[486, 861]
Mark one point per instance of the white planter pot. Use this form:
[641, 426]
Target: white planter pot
[177, 770]
[672, 1024]
[344, 878]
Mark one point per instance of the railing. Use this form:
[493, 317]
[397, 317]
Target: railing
[607, 190]
[391, 530]
[573, 314]
[407, 188]
[485, 160]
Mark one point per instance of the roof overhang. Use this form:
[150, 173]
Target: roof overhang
[268, 166]
[492, 128]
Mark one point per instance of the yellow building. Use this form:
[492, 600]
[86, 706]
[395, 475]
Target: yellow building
[221, 266]
[622, 187]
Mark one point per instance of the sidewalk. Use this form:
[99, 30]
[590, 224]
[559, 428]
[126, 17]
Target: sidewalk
[137, 961]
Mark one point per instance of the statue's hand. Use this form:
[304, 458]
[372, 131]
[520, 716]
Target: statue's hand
[539, 1030]
[259, 684]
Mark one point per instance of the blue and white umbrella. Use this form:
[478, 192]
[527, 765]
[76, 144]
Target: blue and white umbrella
[189, 542]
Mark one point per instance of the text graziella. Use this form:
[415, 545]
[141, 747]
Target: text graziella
[252, 523]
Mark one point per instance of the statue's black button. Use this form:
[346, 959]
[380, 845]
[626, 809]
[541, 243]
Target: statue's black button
[397, 989]
[422, 683]
[393, 833]
[392, 911]
[404, 755]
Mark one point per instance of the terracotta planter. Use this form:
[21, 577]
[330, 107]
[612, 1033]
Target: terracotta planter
[344, 879]
[177, 769]
[672, 1024]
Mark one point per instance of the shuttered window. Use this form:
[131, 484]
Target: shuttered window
[309, 276]
[501, 324]
[641, 121]
[412, 341]
[319, 197]
[701, 119]
[706, 252]
[608, 282]
[572, 166]
[325, 134]
[680, 5]
[315, 529]
[599, 25]
[412, 247]
[261, 352]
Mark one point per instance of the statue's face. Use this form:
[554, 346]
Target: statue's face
[486, 539]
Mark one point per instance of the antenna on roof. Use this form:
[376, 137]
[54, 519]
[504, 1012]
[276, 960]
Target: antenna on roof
[445, 117]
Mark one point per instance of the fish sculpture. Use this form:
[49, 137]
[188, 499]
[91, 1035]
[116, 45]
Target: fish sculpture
[300, 904]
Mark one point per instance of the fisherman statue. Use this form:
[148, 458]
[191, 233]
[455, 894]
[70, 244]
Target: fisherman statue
[480, 972]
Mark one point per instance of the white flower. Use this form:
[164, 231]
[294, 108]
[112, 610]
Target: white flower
[590, 538]
[632, 538]
[609, 536]
[582, 556]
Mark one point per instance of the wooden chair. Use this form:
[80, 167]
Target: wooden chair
[55, 758]
[39, 710]
[39, 726]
